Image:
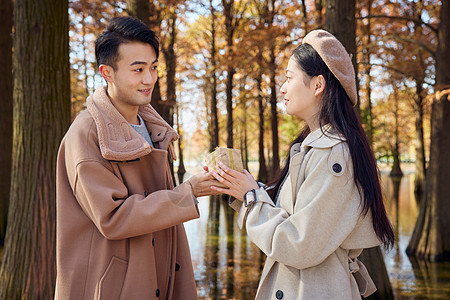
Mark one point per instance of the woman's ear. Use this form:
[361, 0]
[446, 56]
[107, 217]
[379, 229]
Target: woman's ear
[319, 84]
[107, 72]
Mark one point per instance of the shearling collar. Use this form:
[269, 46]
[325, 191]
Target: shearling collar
[116, 138]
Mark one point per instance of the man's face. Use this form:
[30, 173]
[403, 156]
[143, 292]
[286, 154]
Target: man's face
[131, 84]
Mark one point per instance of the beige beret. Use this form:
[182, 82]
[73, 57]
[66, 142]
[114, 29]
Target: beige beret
[336, 58]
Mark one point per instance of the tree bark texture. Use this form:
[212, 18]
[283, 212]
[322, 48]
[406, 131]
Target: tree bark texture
[431, 236]
[6, 111]
[41, 117]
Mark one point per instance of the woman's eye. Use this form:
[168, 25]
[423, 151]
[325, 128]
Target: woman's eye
[155, 68]
[138, 70]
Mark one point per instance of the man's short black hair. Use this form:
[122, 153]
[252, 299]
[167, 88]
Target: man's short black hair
[119, 31]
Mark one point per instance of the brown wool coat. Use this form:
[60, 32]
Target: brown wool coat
[119, 219]
[315, 227]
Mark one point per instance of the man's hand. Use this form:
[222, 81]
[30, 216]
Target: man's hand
[201, 185]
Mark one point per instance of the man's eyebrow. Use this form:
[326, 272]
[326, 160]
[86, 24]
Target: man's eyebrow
[137, 62]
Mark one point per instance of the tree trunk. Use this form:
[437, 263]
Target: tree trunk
[396, 170]
[214, 117]
[41, 117]
[6, 111]
[139, 9]
[228, 9]
[273, 111]
[181, 169]
[304, 17]
[262, 174]
[431, 236]
[318, 12]
[171, 64]
[369, 77]
[420, 164]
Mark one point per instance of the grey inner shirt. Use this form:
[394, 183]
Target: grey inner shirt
[142, 130]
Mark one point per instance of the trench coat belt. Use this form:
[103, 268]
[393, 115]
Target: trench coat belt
[365, 284]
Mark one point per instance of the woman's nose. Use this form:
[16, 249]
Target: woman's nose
[283, 88]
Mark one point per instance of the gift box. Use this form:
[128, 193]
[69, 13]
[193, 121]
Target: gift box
[232, 158]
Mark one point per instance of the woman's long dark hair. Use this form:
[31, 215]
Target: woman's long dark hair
[336, 109]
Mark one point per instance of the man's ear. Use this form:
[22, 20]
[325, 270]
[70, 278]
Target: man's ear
[107, 73]
[319, 84]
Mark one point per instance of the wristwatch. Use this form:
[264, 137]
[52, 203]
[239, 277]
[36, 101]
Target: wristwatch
[250, 198]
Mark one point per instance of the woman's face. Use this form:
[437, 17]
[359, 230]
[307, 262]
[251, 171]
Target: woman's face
[300, 94]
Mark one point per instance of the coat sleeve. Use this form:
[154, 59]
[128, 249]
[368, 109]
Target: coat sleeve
[117, 215]
[327, 210]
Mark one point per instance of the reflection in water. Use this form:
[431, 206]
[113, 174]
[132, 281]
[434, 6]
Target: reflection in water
[228, 266]
[410, 278]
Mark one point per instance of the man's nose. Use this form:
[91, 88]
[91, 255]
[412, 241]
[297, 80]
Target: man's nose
[150, 77]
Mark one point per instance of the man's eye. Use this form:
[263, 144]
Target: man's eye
[155, 68]
[138, 70]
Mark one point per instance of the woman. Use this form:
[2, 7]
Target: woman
[326, 204]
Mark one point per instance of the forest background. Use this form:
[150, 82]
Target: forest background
[222, 65]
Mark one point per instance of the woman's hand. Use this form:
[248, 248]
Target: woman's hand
[238, 183]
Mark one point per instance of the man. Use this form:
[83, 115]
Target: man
[119, 218]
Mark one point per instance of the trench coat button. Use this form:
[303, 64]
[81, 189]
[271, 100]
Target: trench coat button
[177, 267]
[279, 294]
[145, 194]
[337, 168]
[153, 242]
[157, 292]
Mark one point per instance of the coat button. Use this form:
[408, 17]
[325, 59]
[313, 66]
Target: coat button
[337, 168]
[157, 292]
[153, 242]
[279, 294]
[177, 267]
